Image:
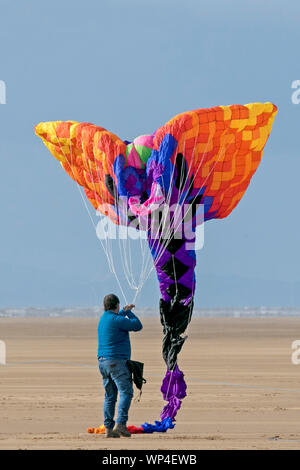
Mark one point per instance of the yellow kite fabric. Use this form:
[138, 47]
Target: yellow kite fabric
[217, 149]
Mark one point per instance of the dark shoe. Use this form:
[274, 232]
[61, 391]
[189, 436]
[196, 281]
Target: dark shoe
[122, 430]
[111, 433]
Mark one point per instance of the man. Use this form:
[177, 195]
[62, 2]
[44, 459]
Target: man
[114, 350]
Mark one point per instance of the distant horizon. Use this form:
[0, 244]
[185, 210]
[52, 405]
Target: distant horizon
[150, 312]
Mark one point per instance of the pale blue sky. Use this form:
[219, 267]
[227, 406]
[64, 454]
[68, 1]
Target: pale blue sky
[130, 66]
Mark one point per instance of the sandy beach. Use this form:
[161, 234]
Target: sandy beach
[243, 390]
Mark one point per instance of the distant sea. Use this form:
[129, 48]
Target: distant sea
[94, 312]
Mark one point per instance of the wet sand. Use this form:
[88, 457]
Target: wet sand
[243, 390]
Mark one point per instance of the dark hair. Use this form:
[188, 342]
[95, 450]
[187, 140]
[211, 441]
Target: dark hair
[110, 302]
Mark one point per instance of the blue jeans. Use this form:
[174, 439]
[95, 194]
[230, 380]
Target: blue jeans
[116, 378]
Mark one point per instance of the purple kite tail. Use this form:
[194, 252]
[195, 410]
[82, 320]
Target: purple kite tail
[173, 389]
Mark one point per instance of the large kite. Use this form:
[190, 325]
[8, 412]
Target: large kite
[198, 166]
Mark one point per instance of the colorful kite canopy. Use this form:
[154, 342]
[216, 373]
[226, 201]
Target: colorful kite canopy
[198, 165]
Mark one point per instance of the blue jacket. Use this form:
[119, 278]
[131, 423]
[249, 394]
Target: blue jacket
[113, 334]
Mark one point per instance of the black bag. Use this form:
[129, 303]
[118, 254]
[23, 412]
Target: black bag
[136, 368]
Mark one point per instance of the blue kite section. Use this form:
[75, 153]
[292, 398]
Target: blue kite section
[159, 426]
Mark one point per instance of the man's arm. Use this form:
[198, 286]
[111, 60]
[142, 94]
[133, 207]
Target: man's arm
[132, 323]
[125, 309]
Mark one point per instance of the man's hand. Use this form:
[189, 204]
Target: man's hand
[128, 307]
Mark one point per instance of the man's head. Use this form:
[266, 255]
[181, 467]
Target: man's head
[111, 302]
